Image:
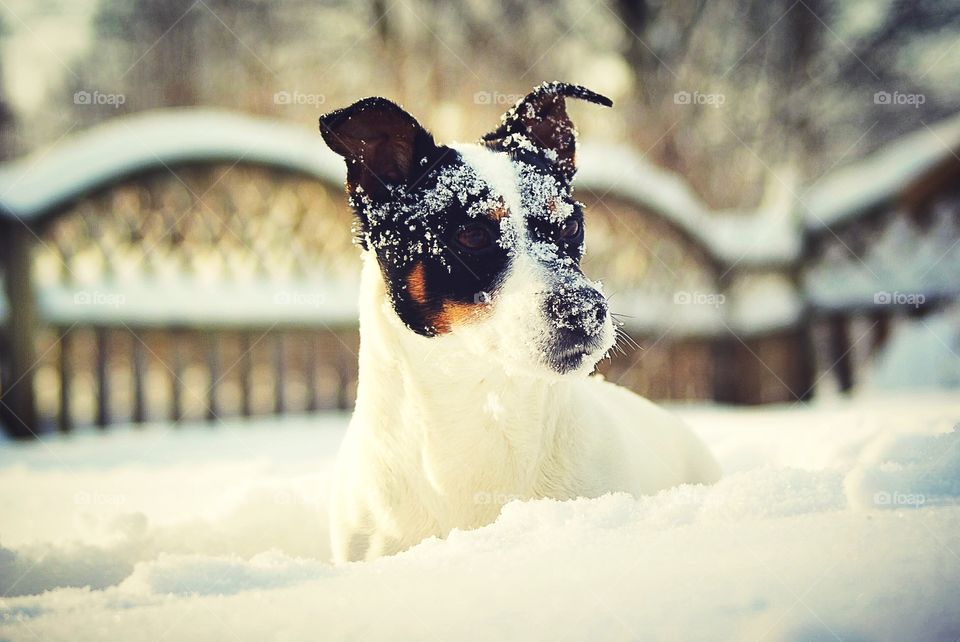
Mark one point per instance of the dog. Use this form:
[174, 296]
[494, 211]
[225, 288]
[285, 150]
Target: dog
[477, 332]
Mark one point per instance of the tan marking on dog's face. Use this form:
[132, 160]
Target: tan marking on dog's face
[451, 313]
[499, 213]
[457, 313]
[417, 284]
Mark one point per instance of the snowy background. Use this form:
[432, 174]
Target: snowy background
[834, 521]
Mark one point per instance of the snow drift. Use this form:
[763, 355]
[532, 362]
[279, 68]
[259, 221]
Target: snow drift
[836, 521]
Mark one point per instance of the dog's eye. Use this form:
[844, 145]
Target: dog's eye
[474, 237]
[570, 229]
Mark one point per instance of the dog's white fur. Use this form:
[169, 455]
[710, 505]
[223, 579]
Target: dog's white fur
[448, 429]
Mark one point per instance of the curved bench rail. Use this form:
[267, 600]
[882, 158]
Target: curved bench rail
[33, 187]
[35, 191]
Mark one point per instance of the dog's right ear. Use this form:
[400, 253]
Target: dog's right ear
[380, 142]
[539, 123]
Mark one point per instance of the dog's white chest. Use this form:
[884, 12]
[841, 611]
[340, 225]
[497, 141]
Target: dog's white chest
[433, 447]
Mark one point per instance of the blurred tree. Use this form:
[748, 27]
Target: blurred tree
[166, 73]
[722, 91]
[7, 121]
[797, 77]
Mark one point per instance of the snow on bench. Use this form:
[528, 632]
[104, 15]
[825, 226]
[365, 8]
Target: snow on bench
[187, 302]
[766, 236]
[844, 194]
[49, 178]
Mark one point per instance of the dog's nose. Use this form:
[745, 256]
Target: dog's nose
[580, 309]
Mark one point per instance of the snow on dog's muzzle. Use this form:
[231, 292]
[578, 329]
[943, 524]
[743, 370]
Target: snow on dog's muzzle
[578, 318]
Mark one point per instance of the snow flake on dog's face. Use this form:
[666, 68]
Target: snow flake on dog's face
[554, 220]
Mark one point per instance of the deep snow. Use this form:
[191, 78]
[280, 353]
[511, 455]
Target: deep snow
[835, 521]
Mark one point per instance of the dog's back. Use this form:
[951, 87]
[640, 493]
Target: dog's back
[637, 446]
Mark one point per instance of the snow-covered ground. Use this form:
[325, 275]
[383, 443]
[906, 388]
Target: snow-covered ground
[835, 521]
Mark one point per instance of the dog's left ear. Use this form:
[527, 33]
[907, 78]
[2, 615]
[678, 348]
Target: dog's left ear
[539, 123]
[379, 141]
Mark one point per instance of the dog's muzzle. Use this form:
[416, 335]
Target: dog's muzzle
[578, 317]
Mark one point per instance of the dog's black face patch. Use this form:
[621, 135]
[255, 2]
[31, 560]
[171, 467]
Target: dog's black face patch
[553, 219]
[445, 240]
[444, 244]
[576, 313]
[439, 242]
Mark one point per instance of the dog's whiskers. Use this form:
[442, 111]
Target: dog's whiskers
[622, 336]
[632, 342]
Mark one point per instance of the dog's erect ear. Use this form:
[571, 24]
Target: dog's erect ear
[539, 124]
[380, 142]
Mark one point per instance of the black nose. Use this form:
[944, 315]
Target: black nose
[583, 310]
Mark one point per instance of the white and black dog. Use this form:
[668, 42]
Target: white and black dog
[478, 331]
